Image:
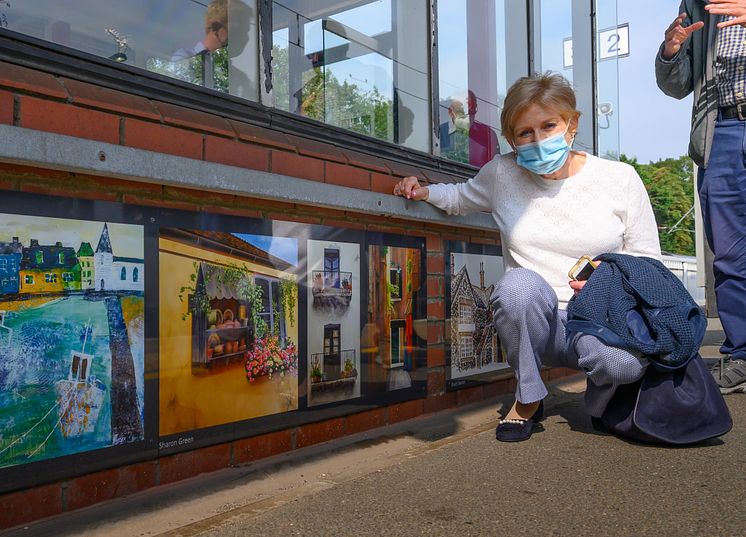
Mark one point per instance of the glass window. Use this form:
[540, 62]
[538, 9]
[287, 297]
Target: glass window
[184, 39]
[359, 65]
[482, 50]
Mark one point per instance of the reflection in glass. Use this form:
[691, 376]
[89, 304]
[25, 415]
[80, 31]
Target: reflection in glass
[392, 335]
[333, 321]
[353, 65]
[477, 63]
[183, 39]
[228, 328]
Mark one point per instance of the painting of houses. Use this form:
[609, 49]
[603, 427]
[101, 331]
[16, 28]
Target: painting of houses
[475, 347]
[396, 328]
[71, 358]
[10, 264]
[333, 321]
[228, 328]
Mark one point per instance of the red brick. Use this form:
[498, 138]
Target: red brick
[345, 223]
[15, 76]
[405, 411]
[297, 166]
[292, 218]
[496, 389]
[383, 184]
[436, 356]
[364, 421]
[235, 153]
[28, 505]
[339, 174]
[6, 107]
[436, 263]
[320, 150]
[440, 402]
[435, 286]
[194, 119]
[469, 395]
[232, 211]
[189, 464]
[197, 196]
[269, 205]
[436, 308]
[131, 199]
[492, 241]
[434, 242]
[137, 477]
[436, 381]
[50, 116]
[110, 184]
[6, 185]
[115, 101]
[401, 169]
[315, 433]
[260, 447]
[92, 488]
[68, 192]
[435, 332]
[261, 135]
[434, 176]
[364, 160]
[34, 173]
[162, 139]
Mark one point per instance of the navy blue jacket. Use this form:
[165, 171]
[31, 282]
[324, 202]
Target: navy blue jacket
[636, 303]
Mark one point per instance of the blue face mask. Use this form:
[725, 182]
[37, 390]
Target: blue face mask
[545, 156]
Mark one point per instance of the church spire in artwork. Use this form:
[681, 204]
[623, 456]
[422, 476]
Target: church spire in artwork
[104, 243]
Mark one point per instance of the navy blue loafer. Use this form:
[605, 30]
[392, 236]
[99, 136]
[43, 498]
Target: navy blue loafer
[518, 430]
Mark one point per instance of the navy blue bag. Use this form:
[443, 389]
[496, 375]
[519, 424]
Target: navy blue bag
[669, 406]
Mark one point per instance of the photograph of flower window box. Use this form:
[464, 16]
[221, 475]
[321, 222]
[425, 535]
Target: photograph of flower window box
[333, 321]
[228, 327]
[71, 355]
[395, 331]
[471, 336]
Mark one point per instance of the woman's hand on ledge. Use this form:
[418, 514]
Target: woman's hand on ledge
[410, 188]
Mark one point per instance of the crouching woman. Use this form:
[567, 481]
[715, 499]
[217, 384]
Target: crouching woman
[552, 205]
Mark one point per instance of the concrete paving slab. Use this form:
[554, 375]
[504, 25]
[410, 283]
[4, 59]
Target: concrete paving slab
[446, 475]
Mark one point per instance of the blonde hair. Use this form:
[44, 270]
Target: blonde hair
[547, 90]
[217, 11]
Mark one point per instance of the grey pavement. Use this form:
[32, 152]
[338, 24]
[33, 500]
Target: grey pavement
[445, 474]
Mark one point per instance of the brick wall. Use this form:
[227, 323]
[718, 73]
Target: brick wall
[37, 100]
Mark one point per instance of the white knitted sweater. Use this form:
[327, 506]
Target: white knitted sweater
[546, 225]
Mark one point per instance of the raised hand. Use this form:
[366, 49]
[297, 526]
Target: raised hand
[733, 8]
[676, 35]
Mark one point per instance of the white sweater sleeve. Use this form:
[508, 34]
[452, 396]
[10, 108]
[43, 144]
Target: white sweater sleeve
[641, 230]
[463, 198]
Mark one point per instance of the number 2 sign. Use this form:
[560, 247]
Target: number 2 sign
[614, 42]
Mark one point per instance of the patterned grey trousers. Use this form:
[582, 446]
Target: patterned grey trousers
[532, 334]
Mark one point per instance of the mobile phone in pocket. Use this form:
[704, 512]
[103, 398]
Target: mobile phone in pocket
[583, 269]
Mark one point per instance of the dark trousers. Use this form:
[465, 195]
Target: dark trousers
[722, 192]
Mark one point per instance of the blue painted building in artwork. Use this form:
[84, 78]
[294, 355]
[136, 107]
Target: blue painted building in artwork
[10, 264]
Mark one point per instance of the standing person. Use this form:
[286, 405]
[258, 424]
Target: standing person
[704, 51]
[552, 205]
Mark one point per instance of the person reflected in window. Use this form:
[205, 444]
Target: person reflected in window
[454, 132]
[216, 32]
[483, 141]
[552, 205]
[704, 53]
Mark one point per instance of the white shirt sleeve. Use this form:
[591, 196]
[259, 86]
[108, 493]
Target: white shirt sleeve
[641, 230]
[463, 198]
